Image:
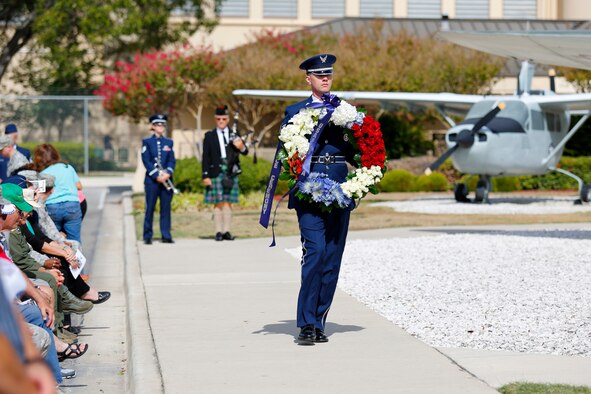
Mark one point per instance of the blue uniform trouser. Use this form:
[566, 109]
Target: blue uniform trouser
[32, 315]
[154, 191]
[323, 243]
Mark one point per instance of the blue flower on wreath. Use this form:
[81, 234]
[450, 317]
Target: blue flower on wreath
[324, 190]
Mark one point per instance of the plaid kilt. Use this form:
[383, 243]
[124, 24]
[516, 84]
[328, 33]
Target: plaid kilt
[216, 194]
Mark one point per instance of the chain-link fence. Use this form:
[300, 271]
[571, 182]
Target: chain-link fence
[94, 139]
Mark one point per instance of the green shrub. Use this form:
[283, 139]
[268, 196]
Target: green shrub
[435, 182]
[254, 176]
[282, 188]
[397, 181]
[187, 175]
[73, 153]
[506, 184]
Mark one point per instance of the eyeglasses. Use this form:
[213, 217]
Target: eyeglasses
[24, 215]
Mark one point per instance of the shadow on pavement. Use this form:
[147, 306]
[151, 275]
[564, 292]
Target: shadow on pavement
[288, 327]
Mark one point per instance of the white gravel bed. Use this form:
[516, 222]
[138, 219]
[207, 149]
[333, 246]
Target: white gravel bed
[525, 291]
[498, 206]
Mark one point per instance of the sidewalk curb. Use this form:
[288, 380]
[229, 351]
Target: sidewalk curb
[144, 373]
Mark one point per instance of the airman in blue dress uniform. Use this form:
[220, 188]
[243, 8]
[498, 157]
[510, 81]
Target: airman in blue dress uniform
[159, 161]
[323, 234]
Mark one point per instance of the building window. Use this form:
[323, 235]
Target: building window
[234, 8]
[472, 9]
[376, 8]
[328, 8]
[280, 8]
[520, 9]
[424, 8]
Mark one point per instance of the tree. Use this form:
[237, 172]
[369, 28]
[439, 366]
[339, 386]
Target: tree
[160, 82]
[266, 63]
[368, 60]
[71, 41]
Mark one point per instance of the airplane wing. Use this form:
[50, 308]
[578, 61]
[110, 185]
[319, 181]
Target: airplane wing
[560, 48]
[451, 102]
[568, 102]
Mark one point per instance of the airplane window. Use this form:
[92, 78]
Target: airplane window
[553, 121]
[515, 110]
[537, 120]
[480, 109]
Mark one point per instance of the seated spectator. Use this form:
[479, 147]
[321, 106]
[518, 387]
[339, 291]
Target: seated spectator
[63, 205]
[41, 243]
[16, 160]
[22, 370]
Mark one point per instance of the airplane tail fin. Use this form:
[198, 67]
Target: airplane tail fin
[525, 78]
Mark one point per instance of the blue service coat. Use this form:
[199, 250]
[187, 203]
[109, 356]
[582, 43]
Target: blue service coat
[156, 150]
[323, 235]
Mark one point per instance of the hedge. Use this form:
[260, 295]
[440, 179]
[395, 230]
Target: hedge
[73, 153]
[400, 180]
[187, 175]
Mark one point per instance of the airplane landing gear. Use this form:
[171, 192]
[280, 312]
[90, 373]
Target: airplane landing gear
[483, 187]
[585, 193]
[461, 192]
[584, 189]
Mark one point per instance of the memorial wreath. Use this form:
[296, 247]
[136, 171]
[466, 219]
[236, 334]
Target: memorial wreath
[362, 130]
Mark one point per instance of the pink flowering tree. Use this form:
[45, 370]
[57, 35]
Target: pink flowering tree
[159, 82]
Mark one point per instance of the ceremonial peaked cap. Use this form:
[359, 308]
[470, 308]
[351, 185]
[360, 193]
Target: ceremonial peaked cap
[222, 110]
[319, 64]
[158, 118]
[10, 128]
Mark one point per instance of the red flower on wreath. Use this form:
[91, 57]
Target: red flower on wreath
[295, 165]
[370, 142]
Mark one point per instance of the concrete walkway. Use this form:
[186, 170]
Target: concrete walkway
[222, 321]
[218, 317]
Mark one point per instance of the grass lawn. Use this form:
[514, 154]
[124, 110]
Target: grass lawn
[198, 222]
[531, 388]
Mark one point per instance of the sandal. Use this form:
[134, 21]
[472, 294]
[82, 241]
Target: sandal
[73, 350]
[102, 297]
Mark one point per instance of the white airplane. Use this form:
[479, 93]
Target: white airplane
[523, 134]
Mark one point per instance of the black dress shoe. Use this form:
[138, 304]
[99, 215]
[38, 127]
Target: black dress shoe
[102, 297]
[148, 241]
[167, 241]
[320, 336]
[219, 237]
[307, 335]
[228, 237]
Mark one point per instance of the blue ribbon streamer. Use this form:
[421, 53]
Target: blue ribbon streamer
[330, 102]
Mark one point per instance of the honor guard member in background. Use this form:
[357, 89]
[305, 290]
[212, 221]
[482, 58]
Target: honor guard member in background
[12, 131]
[158, 158]
[323, 234]
[222, 148]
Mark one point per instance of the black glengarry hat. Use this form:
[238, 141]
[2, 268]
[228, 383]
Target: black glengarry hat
[319, 64]
[158, 118]
[222, 110]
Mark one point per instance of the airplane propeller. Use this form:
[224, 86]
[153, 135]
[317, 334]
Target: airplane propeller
[465, 138]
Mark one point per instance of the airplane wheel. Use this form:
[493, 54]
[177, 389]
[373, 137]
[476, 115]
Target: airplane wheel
[481, 194]
[586, 193]
[461, 192]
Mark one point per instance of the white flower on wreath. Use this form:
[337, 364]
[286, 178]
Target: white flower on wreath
[294, 134]
[344, 115]
[364, 177]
